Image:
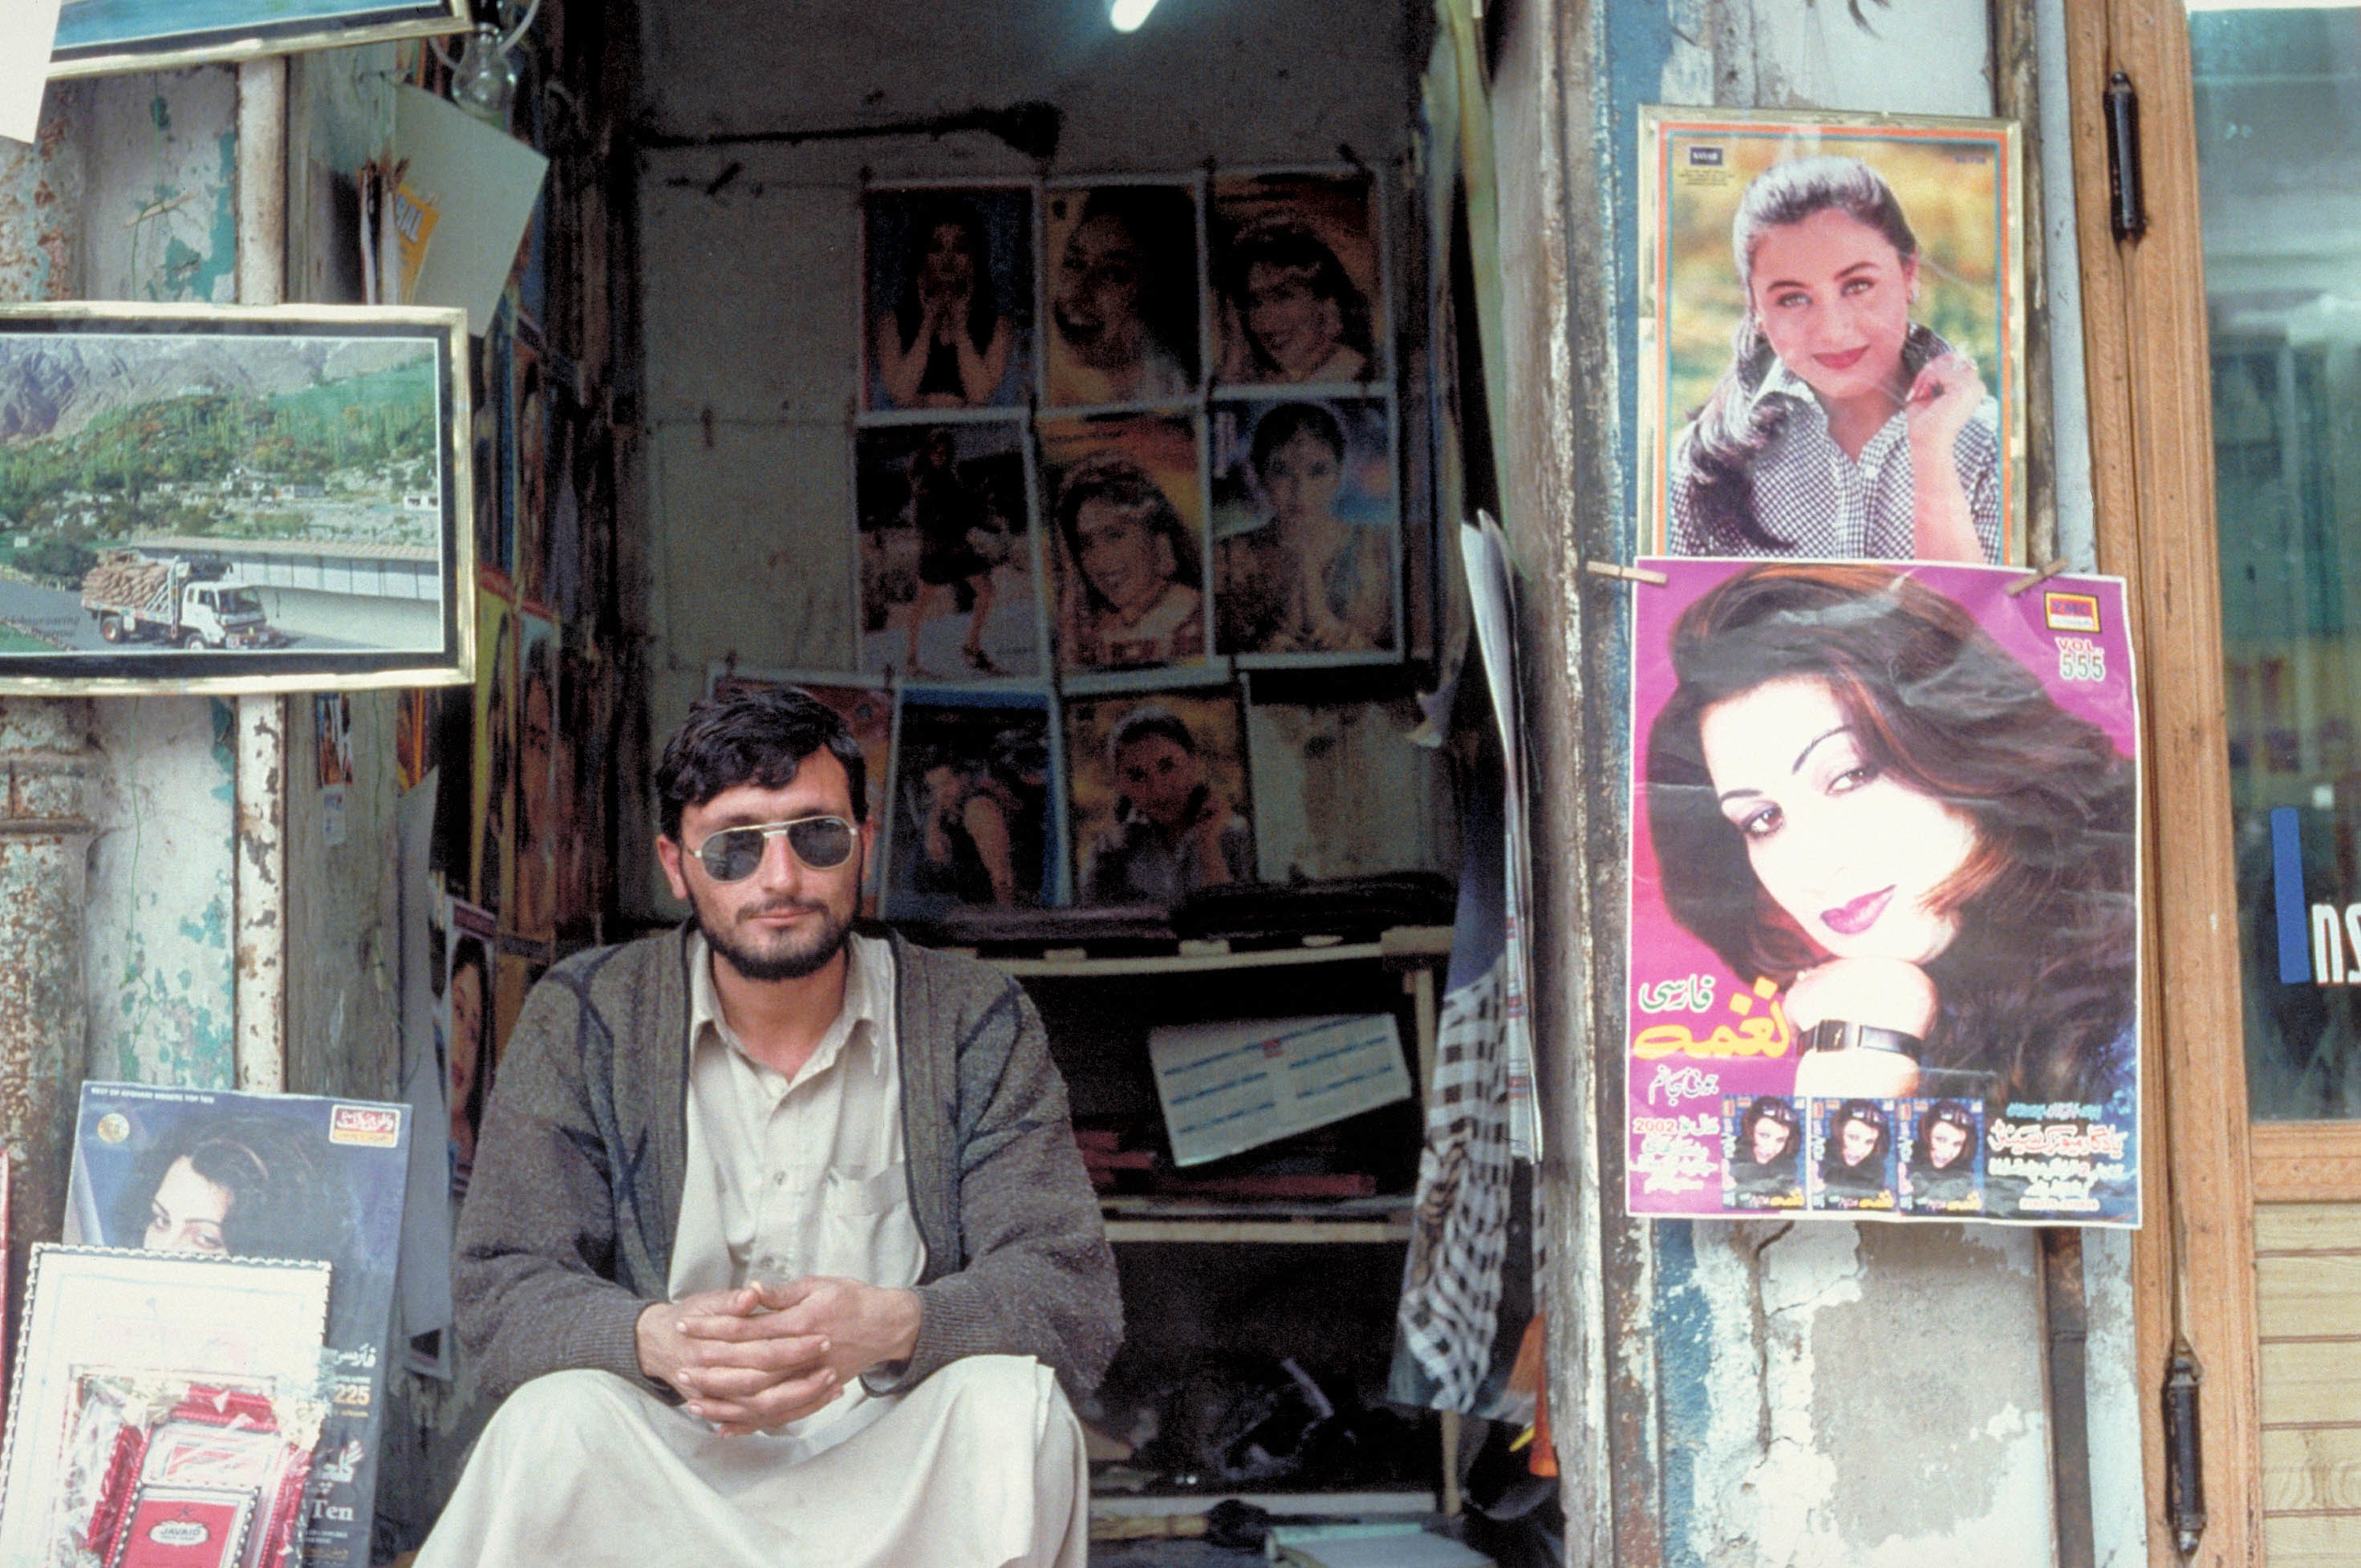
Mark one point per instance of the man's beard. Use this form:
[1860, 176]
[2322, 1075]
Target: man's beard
[799, 957]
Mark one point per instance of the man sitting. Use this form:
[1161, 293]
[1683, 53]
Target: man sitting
[777, 1232]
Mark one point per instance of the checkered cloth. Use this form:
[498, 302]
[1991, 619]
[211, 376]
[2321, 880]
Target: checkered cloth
[1826, 505]
[1459, 1239]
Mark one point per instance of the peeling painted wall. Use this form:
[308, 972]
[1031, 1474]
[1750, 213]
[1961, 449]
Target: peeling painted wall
[1866, 1394]
[40, 203]
[158, 916]
[339, 116]
[1767, 1394]
[158, 221]
[154, 219]
[160, 210]
[342, 952]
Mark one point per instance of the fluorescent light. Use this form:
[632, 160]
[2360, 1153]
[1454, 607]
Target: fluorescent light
[1126, 15]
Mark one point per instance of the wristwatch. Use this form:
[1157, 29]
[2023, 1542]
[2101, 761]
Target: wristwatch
[1836, 1034]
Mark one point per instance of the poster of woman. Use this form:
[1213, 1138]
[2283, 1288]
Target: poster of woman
[266, 1175]
[1160, 801]
[1126, 500]
[945, 552]
[977, 812]
[1307, 531]
[1121, 262]
[1297, 280]
[1831, 336]
[1884, 868]
[946, 277]
[470, 940]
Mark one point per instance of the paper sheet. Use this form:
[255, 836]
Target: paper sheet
[1491, 592]
[483, 184]
[29, 30]
[1231, 1086]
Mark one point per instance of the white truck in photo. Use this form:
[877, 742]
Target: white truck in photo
[193, 601]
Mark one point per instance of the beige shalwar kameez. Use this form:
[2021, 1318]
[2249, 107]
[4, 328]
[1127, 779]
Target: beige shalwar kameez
[981, 1464]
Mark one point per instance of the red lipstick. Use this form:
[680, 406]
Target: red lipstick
[1845, 361]
[1852, 919]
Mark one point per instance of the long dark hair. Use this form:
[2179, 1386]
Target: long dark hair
[1950, 1113]
[1769, 1108]
[1289, 243]
[285, 1197]
[2037, 985]
[1869, 1173]
[1122, 483]
[1162, 223]
[1713, 455]
[983, 305]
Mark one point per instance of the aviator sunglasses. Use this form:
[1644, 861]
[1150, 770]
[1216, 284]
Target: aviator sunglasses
[733, 854]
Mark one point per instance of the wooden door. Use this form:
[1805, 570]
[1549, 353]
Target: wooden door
[2225, 389]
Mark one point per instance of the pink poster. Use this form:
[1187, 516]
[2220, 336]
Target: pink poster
[1884, 913]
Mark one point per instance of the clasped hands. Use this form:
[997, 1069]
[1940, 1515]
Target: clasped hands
[767, 1354]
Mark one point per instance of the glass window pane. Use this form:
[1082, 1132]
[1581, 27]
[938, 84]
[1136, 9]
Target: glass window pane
[2278, 126]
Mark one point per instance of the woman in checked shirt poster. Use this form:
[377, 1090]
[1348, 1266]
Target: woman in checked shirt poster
[1829, 380]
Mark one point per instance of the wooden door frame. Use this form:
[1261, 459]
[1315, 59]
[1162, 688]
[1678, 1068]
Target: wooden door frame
[2152, 471]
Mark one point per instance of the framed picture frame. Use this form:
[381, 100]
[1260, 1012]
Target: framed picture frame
[946, 583]
[218, 498]
[1822, 285]
[256, 1323]
[97, 38]
[1755, 875]
[1160, 794]
[1124, 502]
[1306, 558]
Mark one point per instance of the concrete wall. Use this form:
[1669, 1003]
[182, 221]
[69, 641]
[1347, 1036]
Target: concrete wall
[750, 254]
[1759, 1394]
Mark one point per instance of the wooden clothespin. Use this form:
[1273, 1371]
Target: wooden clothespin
[2041, 575]
[1616, 570]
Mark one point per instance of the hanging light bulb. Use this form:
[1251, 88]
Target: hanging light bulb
[484, 81]
[1125, 16]
[484, 78]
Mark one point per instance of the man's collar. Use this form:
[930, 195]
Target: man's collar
[866, 1001]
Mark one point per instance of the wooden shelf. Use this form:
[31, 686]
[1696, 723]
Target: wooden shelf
[1401, 943]
[1184, 1220]
[1375, 1500]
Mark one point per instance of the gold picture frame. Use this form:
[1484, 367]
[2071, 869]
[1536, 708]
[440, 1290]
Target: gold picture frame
[225, 499]
[101, 38]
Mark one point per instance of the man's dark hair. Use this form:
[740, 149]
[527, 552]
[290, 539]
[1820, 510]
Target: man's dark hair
[753, 737]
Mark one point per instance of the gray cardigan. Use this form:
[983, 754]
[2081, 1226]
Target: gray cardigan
[566, 1235]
